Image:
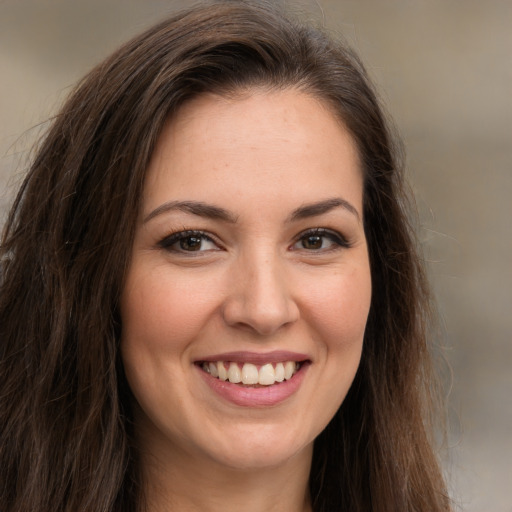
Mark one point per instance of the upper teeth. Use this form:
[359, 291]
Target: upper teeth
[249, 373]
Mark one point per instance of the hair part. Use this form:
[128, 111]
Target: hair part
[65, 416]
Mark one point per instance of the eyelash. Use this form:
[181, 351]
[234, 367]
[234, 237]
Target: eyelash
[336, 238]
[170, 240]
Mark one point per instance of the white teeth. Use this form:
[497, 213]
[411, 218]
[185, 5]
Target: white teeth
[289, 369]
[267, 375]
[213, 370]
[234, 373]
[221, 369]
[279, 372]
[249, 374]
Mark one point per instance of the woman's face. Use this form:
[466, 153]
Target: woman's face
[249, 262]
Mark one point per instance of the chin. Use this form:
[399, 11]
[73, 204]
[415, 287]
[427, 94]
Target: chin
[261, 449]
[255, 460]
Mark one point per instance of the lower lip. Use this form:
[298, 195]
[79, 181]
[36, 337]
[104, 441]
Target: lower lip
[246, 396]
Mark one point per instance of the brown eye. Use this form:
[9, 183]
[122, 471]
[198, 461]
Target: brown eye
[320, 240]
[312, 242]
[188, 241]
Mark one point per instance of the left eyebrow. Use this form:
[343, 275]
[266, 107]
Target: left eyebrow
[321, 207]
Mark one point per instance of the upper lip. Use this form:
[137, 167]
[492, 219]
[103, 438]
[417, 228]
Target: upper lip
[276, 356]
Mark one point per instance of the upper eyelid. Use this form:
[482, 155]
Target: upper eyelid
[183, 233]
[322, 232]
[337, 237]
[319, 230]
[173, 237]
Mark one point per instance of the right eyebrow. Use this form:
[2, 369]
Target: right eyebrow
[196, 208]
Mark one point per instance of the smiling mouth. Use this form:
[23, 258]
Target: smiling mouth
[249, 374]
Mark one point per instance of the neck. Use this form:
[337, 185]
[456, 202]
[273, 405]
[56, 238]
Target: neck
[188, 485]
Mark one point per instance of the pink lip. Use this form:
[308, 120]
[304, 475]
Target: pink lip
[277, 356]
[255, 397]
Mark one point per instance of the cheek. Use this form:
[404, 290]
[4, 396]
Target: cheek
[160, 319]
[163, 313]
[339, 308]
[338, 311]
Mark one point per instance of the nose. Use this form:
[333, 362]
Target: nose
[260, 297]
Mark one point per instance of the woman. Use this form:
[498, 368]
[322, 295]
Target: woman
[210, 295]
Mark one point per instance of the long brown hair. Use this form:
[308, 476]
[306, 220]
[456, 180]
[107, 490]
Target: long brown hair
[65, 418]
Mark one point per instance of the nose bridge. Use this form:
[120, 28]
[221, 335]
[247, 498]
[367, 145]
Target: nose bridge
[261, 296]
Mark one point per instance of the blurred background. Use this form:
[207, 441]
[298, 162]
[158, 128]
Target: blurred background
[444, 69]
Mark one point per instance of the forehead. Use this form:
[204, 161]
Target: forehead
[283, 144]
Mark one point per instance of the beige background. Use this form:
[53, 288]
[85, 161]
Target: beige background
[445, 71]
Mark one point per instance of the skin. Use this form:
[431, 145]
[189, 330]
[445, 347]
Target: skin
[257, 284]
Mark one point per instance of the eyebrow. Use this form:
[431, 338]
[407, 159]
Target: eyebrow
[215, 212]
[196, 208]
[321, 207]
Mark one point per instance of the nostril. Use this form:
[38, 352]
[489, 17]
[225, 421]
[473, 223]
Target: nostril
[264, 319]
